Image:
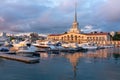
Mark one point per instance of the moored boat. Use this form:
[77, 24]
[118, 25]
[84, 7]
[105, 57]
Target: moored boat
[25, 51]
[88, 46]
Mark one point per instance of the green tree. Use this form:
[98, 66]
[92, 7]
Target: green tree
[116, 36]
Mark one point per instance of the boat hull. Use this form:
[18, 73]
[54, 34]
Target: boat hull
[26, 54]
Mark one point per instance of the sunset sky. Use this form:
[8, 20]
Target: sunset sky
[56, 16]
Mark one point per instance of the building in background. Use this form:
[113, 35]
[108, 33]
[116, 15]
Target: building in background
[74, 35]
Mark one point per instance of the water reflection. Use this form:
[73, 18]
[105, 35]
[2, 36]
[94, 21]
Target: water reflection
[1, 60]
[116, 53]
[43, 55]
[116, 56]
[74, 58]
[91, 65]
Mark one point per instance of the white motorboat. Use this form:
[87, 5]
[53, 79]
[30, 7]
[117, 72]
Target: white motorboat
[40, 45]
[44, 44]
[108, 46]
[25, 51]
[3, 39]
[72, 47]
[88, 46]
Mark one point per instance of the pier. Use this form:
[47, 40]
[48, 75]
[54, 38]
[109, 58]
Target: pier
[20, 58]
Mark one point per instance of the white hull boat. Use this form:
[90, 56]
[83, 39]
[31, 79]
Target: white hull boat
[88, 46]
[25, 51]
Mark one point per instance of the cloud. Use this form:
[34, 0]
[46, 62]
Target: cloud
[1, 19]
[49, 16]
[110, 11]
[90, 28]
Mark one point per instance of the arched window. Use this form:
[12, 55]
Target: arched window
[71, 37]
[76, 37]
[96, 38]
[62, 38]
[68, 37]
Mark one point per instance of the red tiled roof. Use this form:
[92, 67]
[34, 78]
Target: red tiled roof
[96, 34]
[54, 34]
[83, 34]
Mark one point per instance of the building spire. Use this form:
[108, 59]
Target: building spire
[75, 17]
[75, 25]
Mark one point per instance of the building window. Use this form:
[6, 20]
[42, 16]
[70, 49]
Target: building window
[103, 38]
[88, 38]
[93, 38]
[96, 38]
[67, 37]
[62, 38]
[100, 38]
[71, 37]
[76, 38]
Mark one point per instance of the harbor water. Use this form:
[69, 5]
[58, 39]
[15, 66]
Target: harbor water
[103, 64]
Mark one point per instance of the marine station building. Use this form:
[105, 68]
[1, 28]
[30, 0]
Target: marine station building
[74, 35]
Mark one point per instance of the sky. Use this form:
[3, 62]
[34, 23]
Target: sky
[57, 16]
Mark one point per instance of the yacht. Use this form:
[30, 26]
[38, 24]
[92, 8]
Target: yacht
[3, 39]
[25, 51]
[88, 46]
[72, 47]
[44, 44]
[108, 46]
